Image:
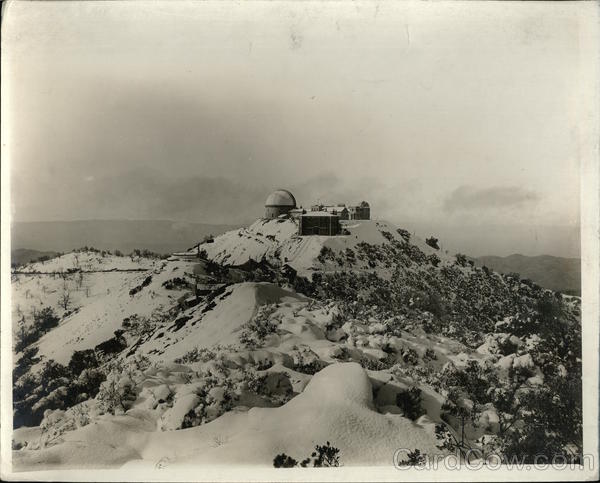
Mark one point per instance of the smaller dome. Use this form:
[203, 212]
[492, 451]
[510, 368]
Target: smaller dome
[281, 198]
[364, 204]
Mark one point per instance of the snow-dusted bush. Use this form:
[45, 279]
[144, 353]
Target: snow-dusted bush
[350, 256]
[214, 390]
[53, 386]
[275, 387]
[176, 283]
[461, 259]
[306, 361]
[255, 331]
[205, 354]
[208, 395]
[323, 456]
[138, 325]
[119, 391]
[147, 281]
[207, 405]
[445, 438]
[434, 259]
[25, 362]
[43, 321]
[405, 234]
[410, 403]
[474, 380]
[396, 325]
[429, 355]
[53, 425]
[414, 458]
[117, 394]
[285, 461]
[326, 455]
[373, 364]
[409, 356]
[87, 383]
[145, 253]
[340, 353]
[57, 422]
[81, 360]
[432, 242]
[387, 235]
[201, 354]
[325, 254]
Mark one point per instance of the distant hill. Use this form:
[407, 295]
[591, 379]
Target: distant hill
[20, 256]
[161, 236]
[501, 240]
[556, 273]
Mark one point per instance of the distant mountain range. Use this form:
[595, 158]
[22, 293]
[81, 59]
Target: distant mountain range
[161, 236]
[501, 240]
[556, 273]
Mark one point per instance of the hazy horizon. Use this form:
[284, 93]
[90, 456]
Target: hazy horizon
[477, 241]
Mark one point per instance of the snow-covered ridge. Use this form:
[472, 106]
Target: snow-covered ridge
[90, 261]
[278, 242]
[262, 239]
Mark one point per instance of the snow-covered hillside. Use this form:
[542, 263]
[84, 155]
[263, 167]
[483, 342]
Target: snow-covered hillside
[278, 242]
[270, 345]
[90, 261]
[337, 404]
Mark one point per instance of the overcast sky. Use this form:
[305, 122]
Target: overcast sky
[449, 113]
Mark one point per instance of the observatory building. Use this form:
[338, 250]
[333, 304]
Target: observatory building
[321, 220]
[279, 202]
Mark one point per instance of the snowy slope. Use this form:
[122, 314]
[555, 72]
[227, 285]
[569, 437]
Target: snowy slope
[217, 326]
[98, 304]
[278, 242]
[261, 239]
[90, 261]
[336, 405]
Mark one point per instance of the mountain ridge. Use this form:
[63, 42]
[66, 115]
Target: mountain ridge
[556, 273]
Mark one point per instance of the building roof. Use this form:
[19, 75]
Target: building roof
[338, 208]
[281, 197]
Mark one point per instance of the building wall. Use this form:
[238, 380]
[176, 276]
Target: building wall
[319, 225]
[362, 213]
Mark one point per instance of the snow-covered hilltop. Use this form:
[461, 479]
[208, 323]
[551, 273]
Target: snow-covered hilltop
[277, 242]
[349, 346]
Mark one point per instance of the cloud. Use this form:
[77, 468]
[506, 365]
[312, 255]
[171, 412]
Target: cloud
[145, 194]
[195, 198]
[470, 198]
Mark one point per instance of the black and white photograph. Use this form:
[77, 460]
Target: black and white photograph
[300, 240]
